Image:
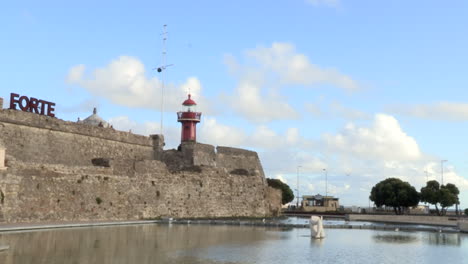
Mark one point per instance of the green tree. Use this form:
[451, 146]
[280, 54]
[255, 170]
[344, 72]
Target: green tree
[466, 211]
[287, 194]
[394, 193]
[430, 194]
[444, 196]
[455, 191]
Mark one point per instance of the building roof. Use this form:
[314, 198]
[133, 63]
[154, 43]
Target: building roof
[94, 120]
[319, 197]
[189, 101]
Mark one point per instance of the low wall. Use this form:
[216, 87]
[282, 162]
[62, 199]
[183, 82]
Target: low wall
[405, 219]
[463, 226]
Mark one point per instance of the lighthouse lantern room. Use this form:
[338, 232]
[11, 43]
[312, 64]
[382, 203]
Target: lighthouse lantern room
[189, 119]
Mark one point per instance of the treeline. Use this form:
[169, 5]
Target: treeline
[400, 195]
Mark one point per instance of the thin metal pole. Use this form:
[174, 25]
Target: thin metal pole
[164, 34]
[442, 171]
[297, 183]
[326, 182]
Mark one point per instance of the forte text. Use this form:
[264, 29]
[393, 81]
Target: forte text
[32, 105]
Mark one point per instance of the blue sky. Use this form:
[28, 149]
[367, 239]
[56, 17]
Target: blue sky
[364, 89]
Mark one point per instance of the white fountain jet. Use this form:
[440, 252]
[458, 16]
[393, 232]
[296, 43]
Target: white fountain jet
[316, 227]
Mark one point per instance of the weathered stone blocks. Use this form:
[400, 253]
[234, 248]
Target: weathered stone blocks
[64, 171]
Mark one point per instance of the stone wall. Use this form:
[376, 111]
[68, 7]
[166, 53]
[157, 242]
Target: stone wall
[35, 138]
[239, 160]
[232, 160]
[65, 171]
[31, 192]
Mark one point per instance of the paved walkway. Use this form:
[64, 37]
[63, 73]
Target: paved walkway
[53, 225]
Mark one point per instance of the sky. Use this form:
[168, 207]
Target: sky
[334, 95]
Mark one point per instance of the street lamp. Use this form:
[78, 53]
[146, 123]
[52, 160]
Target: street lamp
[326, 182]
[442, 171]
[297, 190]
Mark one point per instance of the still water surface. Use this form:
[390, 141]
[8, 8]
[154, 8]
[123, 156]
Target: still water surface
[229, 244]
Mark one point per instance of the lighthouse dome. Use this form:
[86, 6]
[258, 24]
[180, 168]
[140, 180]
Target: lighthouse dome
[189, 101]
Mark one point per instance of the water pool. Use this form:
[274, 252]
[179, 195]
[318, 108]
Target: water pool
[162, 243]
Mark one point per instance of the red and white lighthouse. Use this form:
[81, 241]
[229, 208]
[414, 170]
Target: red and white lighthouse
[189, 119]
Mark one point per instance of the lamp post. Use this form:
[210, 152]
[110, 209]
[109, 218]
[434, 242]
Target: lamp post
[442, 171]
[326, 182]
[427, 175]
[297, 190]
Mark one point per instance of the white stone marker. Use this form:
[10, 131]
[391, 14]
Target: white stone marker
[316, 227]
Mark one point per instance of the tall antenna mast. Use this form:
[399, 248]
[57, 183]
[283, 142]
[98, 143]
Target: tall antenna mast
[162, 69]
[164, 34]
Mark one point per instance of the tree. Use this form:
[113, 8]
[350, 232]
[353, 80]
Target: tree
[430, 194]
[454, 190]
[395, 193]
[445, 196]
[466, 211]
[287, 194]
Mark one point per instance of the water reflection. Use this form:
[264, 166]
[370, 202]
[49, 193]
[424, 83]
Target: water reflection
[228, 245]
[125, 244]
[316, 242]
[395, 238]
[445, 239]
[431, 238]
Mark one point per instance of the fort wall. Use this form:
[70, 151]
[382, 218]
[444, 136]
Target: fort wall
[65, 171]
[32, 192]
[36, 138]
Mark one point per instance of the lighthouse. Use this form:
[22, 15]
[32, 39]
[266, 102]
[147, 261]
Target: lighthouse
[189, 119]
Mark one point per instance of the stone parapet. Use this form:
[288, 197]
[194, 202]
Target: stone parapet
[28, 119]
[35, 138]
[406, 219]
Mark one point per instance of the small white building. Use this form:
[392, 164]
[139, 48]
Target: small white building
[319, 203]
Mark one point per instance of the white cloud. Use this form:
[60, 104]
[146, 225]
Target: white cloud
[124, 123]
[250, 103]
[384, 140]
[281, 178]
[269, 70]
[292, 136]
[123, 81]
[76, 73]
[445, 111]
[213, 133]
[295, 68]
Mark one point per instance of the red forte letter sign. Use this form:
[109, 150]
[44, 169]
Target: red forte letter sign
[32, 105]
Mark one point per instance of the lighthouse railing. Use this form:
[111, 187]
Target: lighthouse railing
[189, 115]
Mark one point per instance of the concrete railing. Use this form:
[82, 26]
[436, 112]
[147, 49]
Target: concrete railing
[463, 226]
[406, 219]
